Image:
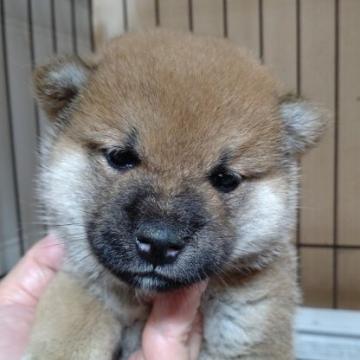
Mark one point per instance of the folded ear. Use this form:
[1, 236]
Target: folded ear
[58, 83]
[304, 123]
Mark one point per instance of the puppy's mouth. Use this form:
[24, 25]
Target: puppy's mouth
[154, 280]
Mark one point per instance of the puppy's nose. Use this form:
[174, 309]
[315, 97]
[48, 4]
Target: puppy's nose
[158, 243]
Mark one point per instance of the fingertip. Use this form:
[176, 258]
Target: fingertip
[202, 285]
[29, 278]
[137, 356]
[195, 337]
[48, 251]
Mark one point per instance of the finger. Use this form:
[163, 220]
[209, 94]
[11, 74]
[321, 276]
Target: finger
[137, 356]
[195, 337]
[173, 313]
[28, 280]
[170, 323]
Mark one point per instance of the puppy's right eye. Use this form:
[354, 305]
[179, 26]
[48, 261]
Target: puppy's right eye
[224, 180]
[122, 159]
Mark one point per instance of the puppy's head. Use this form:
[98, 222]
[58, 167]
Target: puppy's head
[171, 159]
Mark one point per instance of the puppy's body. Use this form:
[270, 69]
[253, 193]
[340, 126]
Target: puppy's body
[250, 319]
[173, 159]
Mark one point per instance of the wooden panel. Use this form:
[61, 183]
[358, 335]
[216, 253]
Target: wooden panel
[243, 24]
[141, 14]
[42, 40]
[317, 276]
[82, 26]
[349, 279]
[208, 17]
[317, 61]
[279, 25]
[43, 44]
[42, 51]
[349, 124]
[9, 239]
[63, 27]
[108, 20]
[24, 122]
[174, 14]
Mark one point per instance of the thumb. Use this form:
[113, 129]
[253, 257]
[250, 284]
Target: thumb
[170, 327]
[20, 292]
[27, 281]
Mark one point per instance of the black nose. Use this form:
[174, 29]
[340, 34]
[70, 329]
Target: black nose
[158, 243]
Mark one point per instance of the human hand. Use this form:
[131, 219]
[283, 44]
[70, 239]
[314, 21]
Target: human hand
[20, 292]
[174, 328]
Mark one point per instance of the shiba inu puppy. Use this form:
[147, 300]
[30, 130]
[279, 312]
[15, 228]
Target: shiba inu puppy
[170, 159]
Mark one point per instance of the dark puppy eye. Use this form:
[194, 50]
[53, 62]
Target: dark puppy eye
[122, 159]
[224, 179]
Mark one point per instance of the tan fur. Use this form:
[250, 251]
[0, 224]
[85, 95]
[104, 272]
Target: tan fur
[88, 331]
[189, 99]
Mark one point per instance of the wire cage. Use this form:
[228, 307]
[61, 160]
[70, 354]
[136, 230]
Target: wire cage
[312, 46]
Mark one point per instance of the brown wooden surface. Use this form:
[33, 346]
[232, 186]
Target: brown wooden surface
[317, 276]
[317, 82]
[349, 124]
[349, 279]
[279, 37]
[208, 17]
[174, 14]
[23, 115]
[141, 14]
[9, 224]
[113, 12]
[243, 20]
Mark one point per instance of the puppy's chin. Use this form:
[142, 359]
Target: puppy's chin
[152, 282]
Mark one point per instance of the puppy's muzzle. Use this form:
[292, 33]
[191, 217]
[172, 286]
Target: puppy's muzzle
[159, 243]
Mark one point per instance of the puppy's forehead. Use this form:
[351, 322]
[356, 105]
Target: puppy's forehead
[182, 96]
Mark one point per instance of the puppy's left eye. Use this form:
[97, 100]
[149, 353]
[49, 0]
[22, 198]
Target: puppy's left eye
[224, 179]
[122, 159]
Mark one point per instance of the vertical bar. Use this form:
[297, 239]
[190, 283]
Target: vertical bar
[157, 12]
[73, 27]
[336, 154]
[298, 92]
[125, 16]
[225, 18]
[11, 127]
[91, 25]
[32, 59]
[261, 30]
[53, 26]
[298, 47]
[191, 17]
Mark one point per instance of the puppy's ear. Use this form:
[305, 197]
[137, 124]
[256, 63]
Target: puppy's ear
[304, 123]
[58, 83]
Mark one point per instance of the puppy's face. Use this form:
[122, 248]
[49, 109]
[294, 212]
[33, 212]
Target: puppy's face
[170, 160]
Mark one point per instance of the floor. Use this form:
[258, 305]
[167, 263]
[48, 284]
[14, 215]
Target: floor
[323, 334]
